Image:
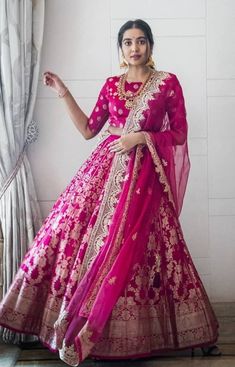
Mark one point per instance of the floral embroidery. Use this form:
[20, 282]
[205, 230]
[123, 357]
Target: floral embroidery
[73, 235]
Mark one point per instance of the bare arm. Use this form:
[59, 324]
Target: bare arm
[78, 117]
[76, 114]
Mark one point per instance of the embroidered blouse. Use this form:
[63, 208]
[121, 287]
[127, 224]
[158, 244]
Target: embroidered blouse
[166, 114]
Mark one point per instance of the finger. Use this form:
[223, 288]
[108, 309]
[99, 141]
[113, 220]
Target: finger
[48, 72]
[113, 144]
[115, 148]
[122, 151]
[46, 75]
[47, 81]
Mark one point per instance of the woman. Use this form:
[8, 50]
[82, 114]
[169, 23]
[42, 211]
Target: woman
[109, 274]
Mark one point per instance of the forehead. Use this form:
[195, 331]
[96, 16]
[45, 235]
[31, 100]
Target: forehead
[133, 33]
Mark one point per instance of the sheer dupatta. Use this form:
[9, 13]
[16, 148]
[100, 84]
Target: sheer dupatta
[143, 176]
[170, 143]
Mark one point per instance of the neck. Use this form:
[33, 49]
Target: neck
[137, 73]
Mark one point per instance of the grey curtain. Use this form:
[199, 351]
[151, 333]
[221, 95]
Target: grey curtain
[21, 34]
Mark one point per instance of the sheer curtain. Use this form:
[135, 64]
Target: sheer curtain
[21, 35]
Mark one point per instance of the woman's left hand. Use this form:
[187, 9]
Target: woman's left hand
[124, 143]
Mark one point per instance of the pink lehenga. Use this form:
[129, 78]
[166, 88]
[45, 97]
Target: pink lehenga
[109, 274]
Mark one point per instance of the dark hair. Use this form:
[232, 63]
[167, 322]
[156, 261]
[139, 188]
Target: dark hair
[139, 24]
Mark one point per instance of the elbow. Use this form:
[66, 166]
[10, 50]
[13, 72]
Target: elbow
[88, 134]
[88, 137]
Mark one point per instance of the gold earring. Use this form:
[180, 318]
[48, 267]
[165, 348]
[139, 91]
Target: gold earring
[150, 62]
[124, 63]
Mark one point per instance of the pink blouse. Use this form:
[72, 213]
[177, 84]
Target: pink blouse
[165, 117]
[109, 106]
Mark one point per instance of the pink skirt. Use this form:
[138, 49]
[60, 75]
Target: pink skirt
[164, 305]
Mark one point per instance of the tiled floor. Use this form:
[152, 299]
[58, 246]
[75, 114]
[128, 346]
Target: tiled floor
[11, 356]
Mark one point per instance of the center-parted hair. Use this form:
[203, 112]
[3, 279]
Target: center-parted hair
[139, 24]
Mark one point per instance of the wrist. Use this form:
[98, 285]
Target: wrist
[140, 137]
[62, 91]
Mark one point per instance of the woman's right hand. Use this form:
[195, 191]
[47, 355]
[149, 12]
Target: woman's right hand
[53, 81]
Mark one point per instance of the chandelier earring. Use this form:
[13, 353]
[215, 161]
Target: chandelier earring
[124, 63]
[150, 62]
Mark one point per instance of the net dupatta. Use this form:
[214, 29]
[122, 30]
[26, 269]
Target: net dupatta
[168, 146]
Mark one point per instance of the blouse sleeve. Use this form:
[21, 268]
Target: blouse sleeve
[100, 112]
[175, 108]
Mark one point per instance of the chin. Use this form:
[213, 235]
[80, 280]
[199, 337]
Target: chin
[137, 63]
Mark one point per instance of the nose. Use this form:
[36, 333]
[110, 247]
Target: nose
[135, 46]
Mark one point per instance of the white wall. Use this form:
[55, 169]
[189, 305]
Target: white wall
[194, 39]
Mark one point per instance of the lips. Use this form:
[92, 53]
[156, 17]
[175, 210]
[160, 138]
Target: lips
[135, 57]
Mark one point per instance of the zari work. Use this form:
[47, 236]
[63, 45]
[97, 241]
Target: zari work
[109, 274]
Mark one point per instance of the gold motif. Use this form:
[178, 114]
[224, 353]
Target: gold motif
[136, 322]
[112, 280]
[134, 236]
[119, 236]
[142, 102]
[69, 355]
[159, 167]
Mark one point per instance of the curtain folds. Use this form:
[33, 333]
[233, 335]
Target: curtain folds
[21, 35]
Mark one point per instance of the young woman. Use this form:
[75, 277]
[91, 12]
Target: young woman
[109, 274]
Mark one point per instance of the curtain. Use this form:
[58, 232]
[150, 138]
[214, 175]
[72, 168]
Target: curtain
[21, 35]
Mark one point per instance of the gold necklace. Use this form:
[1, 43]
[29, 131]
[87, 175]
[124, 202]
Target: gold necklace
[129, 96]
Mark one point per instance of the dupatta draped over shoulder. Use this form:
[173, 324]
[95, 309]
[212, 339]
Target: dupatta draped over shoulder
[109, 273]
[138, 180]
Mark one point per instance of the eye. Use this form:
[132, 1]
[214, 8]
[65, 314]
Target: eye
[127, 43]
[142, 42]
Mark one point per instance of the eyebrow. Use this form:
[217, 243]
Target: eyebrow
[130, 39]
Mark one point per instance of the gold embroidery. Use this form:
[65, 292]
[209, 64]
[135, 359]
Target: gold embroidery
[146, 335]
[134, 236]
[119, 165]
[158, 167]
[69, 355]
[137, 321]
[60, 327]
[144, 308]
[112, 280]
[119, 237]
[142, 101]
[85, 336]
[107, 208]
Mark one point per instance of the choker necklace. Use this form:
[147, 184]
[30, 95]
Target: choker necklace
[129, 96]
